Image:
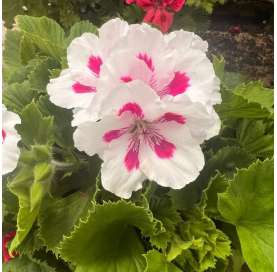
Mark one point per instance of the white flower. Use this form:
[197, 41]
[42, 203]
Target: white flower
[77, 85]
[145, 138]
[143, 101]
[10, 138]
[173, 65]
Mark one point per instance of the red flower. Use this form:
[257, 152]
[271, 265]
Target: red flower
[159, 12]
[7, 237]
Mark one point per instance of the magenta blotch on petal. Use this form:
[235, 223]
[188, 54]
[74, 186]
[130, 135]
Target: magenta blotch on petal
[147, 60]
[126, 79]
[164, 149]
[170, 116]
[80, 88]
[4, 135]
[113, 134]
[178, 85]
[133, 108]
[94, 64]
[131, 159]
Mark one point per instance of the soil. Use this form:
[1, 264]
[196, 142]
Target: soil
[242, 32]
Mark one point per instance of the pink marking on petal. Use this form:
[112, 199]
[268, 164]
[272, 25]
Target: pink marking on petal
[94, 64]
[147, 60]
[133, 108]
[170, 116]
[131, 159]
[80, 88]
[126, 79]
[164, 149]
[4, 135]
[178, 85]
[113, 135]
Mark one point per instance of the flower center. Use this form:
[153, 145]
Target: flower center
[140, 127]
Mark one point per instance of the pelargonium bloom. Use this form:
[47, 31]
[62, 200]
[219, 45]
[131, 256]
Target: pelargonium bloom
[145, 138]
[173, 65]
[159, 12]
[77, 85]
[10, 138]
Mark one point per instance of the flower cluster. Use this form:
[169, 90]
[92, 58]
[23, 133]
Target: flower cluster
[159, 12]
[143, 101]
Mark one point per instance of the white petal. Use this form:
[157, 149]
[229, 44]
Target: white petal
[85, 115]
[202, 122]
[10, 151]
[10, 154]
[61, 92]
[122, 64]
[111, 33]
[144, 38]
[88, 136]
[133, 92]
[183, 40]
[114, 175]
[81, 49]
[182, 168]
[10, 119]
[204, 85]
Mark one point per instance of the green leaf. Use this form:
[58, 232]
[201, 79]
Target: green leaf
[255, 92]
[108, 240]
[200, 244]
[217, 184]
[225, 161]
[20, 186]
[31, 243]
[26, 264]
[45, 33]
[241, 104]
[62, 121]
[156, 262]
[11, 53]
[17, 96]
[206, 5]
[37, 192]
[42, 176]
[58, 216]
[254, 137]
[42, 172]
[32, 168]
[177, 247]
[40, 74]
[229, 80]
[9, 201]
[34, 128]
[27, 50]
[79, 28]
[163, 209]
[219, 66]
[187, 197]
[37, 154]
[12, 64]
[248, 204]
